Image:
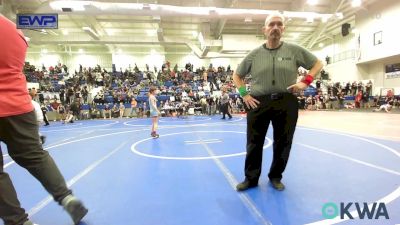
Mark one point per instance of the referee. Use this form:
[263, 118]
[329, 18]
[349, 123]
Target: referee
[273, 67]
[225, 104]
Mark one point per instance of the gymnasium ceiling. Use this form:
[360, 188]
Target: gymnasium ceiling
[139, 26]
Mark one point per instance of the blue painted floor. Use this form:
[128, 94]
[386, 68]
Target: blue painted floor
[189, 174]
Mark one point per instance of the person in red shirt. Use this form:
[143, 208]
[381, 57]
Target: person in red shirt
[358, 99]
[20, 132]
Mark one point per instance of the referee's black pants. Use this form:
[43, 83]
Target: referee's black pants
[225, 110]
[20, 134]
[282, 110]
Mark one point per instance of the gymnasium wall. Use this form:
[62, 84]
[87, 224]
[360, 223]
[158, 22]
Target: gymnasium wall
[357, 57]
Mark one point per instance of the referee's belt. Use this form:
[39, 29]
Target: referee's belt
[273, 96]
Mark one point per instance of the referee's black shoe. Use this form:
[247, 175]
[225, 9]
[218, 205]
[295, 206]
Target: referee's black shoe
[246, 184]
[277, 184]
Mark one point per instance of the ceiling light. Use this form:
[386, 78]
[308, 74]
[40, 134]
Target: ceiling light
[201, 40]
[312, 2]
[324, 19]
[52, 32]
[321, 45]
[151, 32]
[296, 35]
[110, 32]
[356, 3]
[80, 51]
[213, 10]
[160, 34]
[65, 32]
[91, 32]
[73, 5]
[146, 6]
[248, 20]
[44, 51]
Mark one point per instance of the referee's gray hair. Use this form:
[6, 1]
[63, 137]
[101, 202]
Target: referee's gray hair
[274, 14]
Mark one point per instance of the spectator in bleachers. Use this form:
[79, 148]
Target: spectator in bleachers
[107, 111]
[94, 112]
[69, 95]
[38, 112]
[182, 108]
[54, 105]
[210, 105]
[85, 94]
[99, 79]
[319, 101]
[115, 111]
[354, 88]
[145, 110]
[61, 112]
[396, 102]
[358, 99]
[232, 106]
[62, 96]
[368, 88]
[347, 89]
[203, 104]
[69, 118]
[327, 102]
[133, 107]
[375, 101]
[389, 95]
[239, 104]
[310, 101]
[386, 107]
[302, 100]
[121, 110]
[340, 99]
[75, 109]
[365, 100]
[44, 112]
[41, 97]
[360, 86]
[140, 111]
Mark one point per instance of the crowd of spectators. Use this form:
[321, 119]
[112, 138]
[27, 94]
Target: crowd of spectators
[345, 95]
[107, 94]
[98, 93]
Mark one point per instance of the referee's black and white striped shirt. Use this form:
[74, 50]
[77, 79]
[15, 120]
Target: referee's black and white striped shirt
[273, 70]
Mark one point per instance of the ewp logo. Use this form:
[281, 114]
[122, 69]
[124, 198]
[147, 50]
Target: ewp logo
[37, 21]
[331, 210]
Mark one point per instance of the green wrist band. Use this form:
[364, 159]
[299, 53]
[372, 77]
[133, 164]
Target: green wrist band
[243, 91]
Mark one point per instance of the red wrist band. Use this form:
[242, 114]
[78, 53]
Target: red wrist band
[308, 79]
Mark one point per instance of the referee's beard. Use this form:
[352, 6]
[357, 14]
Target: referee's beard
[274, 36]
